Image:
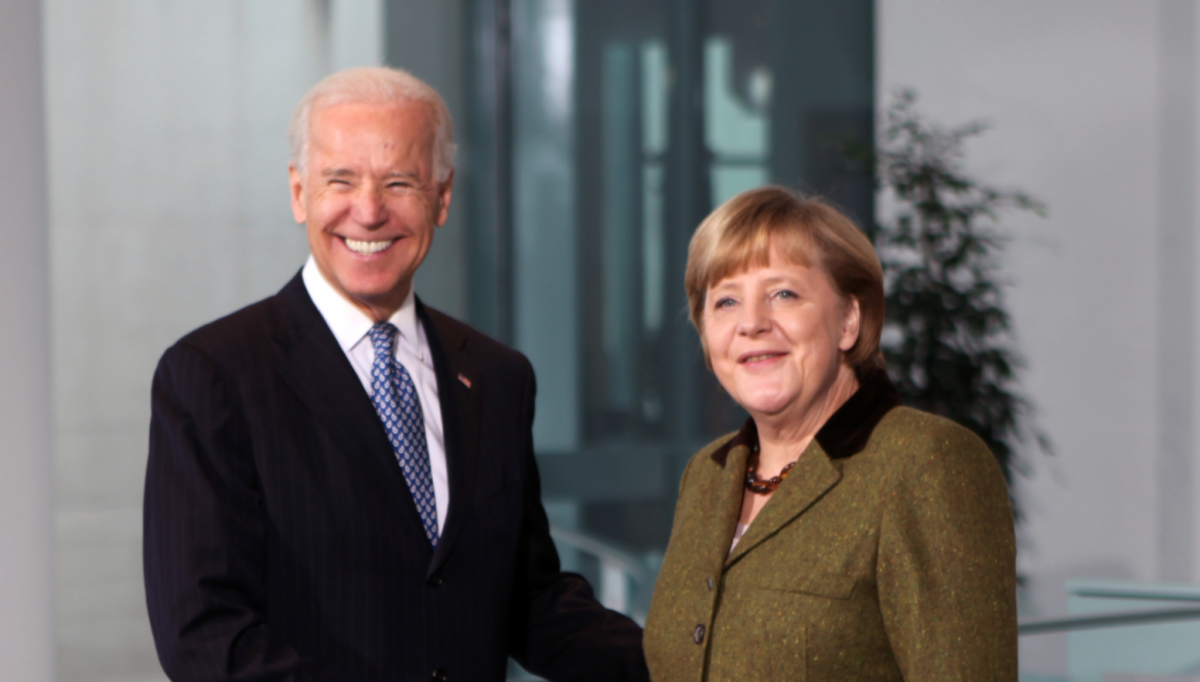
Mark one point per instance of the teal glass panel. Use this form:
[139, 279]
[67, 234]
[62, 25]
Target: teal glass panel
[625, 122]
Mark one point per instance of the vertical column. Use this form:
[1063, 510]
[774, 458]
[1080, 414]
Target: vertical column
[356, 29]
[426, 37]
[545, 292]
[488, 159]
[26, 538]
[687, 204]
[1176, 283]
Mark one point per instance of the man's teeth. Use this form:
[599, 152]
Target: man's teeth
[359, 246]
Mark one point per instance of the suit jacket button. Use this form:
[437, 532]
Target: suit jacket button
[435, 581]
[710, 583]
[698, 634]
[439, 675]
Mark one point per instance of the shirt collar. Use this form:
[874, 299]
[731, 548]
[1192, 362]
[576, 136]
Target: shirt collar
[348, 323]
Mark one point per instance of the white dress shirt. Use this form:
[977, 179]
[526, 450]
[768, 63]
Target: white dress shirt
[351, 327]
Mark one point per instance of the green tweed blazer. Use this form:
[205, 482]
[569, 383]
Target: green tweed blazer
[886, 554]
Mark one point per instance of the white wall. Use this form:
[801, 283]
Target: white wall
[166, 122]
[1095, 115]
[26, 570]
[169, 207]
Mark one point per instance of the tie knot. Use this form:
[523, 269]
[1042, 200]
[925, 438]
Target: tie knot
[383, 338]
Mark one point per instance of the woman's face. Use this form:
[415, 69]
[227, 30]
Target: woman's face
[775, 336]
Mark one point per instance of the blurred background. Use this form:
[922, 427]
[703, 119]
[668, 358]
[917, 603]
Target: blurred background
[144, 188]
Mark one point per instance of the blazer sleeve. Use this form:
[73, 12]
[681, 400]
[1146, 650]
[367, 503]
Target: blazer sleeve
[560, 631]
[205, 531]
[947, 564]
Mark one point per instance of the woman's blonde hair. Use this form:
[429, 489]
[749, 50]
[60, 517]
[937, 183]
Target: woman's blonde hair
[740, 233]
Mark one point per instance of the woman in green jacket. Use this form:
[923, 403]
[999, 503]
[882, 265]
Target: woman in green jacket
[838, 535]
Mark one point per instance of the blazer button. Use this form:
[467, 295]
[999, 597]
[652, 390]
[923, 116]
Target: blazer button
[435, 581]
[710, 583]
[698, 634]
[439, 675]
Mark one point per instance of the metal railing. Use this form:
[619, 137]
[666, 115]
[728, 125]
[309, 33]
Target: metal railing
[624, 583]
[620, 571]
[1167, 593]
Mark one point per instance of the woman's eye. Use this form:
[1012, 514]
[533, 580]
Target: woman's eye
[724, 302]
[786, 294]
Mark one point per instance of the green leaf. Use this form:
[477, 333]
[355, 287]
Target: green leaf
[948, 336]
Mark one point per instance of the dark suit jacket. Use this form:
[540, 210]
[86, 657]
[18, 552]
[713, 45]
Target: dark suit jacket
[282, 543]
[887, 554]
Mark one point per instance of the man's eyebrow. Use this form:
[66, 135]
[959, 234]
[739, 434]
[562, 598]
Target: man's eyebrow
[337, 173]
[403, 174]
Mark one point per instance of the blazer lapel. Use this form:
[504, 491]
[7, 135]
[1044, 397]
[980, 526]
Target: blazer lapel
[726, 507]
[809, 480]
[319, 373]
[459, 392]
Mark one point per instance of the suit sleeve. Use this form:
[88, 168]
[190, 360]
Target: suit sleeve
[205, 532]
[560, 631]
[947, 565]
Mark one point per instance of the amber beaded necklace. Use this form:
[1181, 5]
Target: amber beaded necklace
[768, 486]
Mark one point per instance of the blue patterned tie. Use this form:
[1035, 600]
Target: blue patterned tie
[395, 399]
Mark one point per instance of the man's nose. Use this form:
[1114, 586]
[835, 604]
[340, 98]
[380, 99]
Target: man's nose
[368, 208]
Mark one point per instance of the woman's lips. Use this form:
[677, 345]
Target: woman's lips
[759, 356]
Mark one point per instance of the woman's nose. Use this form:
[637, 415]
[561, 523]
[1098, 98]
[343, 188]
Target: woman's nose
[755, 319]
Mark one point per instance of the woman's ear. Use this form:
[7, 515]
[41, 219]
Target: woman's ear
[851, 322]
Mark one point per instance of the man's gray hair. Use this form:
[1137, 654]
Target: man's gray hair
[373, 85]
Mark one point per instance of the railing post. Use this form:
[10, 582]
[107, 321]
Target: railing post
[614, 587]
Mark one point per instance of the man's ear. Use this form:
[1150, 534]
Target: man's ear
[444, 193]
[850, 325]
[296, 181]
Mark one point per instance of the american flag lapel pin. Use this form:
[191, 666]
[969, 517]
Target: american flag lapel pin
[465, 381]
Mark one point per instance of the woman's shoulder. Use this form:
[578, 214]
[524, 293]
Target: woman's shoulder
[918, 441]
[907, 422]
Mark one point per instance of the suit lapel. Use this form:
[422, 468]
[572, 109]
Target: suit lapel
[459, 391]
[319, 373]
[809, 480]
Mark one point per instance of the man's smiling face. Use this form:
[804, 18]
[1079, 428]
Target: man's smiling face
[370, 199]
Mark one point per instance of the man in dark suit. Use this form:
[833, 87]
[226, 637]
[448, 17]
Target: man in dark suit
[341, 483]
